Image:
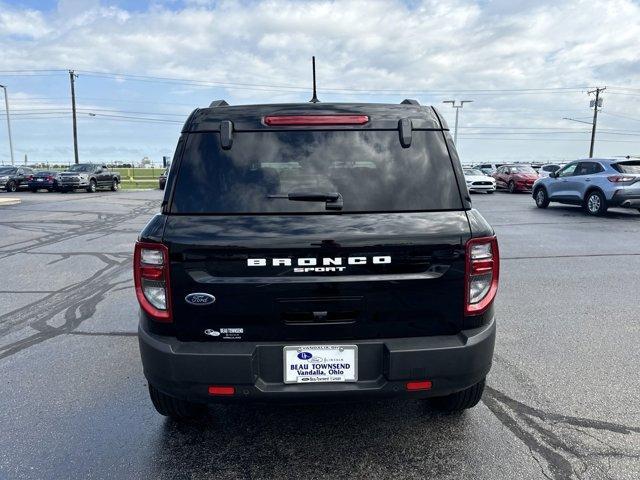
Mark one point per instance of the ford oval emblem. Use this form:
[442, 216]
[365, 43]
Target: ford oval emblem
[200, 299]
[304, 355]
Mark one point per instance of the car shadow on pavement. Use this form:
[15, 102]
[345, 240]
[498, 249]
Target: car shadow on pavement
[317, 441]
[579, 212]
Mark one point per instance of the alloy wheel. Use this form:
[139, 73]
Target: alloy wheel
[594, 203]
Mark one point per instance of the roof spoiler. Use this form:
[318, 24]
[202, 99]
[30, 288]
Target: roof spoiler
[218, 103]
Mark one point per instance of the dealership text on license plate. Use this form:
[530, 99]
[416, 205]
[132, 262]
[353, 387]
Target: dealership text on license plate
[320, 363]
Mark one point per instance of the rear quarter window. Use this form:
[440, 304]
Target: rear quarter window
[370, 169]
[632, 167]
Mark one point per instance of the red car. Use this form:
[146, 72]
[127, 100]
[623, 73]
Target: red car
[515, 178]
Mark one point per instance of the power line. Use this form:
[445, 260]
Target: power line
[296, 88]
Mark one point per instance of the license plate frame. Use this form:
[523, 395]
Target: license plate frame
[325, 355]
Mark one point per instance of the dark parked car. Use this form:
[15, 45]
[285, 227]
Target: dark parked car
[162, 179]
[14, 178]
[315, 251]
[515, 178]
[44, 180]
[88, 176]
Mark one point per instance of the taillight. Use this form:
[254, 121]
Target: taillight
[151, 279]
[481, 274]
[621, 178]
[302, 120]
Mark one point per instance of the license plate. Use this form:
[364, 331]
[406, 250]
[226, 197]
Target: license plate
[320, 363]
[39, 179]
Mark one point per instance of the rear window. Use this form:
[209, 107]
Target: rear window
[628, 167]
[369, 169]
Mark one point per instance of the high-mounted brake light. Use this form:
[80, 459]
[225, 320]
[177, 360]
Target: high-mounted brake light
[151, 279]
[481, 274]
[303, 120]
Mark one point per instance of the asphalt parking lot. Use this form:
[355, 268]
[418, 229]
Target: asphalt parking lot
[563, 398]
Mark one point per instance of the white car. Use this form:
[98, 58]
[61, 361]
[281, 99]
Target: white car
[488, 168]
[545, 170]
[478, 181]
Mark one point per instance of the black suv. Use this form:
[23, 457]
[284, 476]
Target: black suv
[13, 178]
[315, 252]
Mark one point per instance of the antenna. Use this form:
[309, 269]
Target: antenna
[313, 67]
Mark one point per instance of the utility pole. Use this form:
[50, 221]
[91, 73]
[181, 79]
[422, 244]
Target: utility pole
[597, 103]
[457, 107]
[72, 77]
[6, 106]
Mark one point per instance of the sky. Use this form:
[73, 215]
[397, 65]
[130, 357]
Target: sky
[142, 67]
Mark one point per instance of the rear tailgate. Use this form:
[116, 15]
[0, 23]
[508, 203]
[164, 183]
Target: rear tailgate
[387, 275]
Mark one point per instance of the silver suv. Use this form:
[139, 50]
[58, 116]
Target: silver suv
[594, 183]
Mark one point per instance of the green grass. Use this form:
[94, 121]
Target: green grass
[135, 184]
[139, 173]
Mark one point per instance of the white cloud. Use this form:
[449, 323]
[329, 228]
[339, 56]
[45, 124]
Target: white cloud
[458, 44]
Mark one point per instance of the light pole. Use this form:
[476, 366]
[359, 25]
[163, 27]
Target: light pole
[6, 105]
[457, 107]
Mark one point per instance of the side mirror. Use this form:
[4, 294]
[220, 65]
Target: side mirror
[98, 170]
[553, 174]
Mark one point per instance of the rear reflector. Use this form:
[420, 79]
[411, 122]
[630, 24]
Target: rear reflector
[218, 390]
[421, 385]
[302, 120]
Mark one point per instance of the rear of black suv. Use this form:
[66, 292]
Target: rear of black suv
[315, 252]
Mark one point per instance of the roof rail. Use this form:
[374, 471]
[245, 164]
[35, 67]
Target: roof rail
[218, 103]
[409, 101]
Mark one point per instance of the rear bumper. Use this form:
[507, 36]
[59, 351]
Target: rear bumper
[622, 198]
[39, 185]
[186, 369]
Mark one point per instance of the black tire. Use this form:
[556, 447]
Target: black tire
[595, 203]
[50, 190]
[11, 186]
[456, 402]
[93, 186]
[114, 185]
[512, 186]
[541, 197]
[490, 191]
[174, 407]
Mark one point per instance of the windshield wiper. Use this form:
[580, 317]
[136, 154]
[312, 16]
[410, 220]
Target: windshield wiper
[333, 200]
